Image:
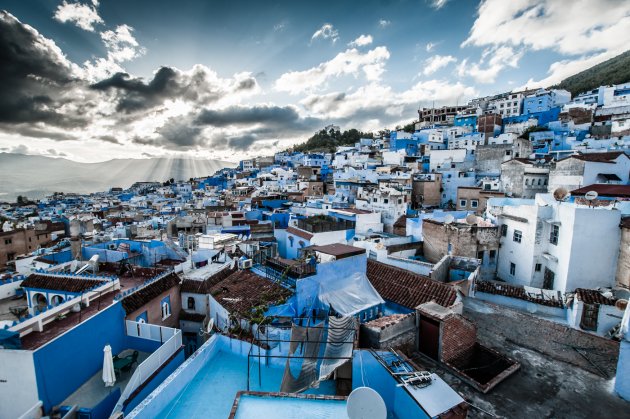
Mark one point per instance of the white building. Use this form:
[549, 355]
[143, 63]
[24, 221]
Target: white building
[556, 245]
[390, 201]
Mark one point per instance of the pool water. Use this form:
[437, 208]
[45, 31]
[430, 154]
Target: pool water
[211, 392]
[256, 407]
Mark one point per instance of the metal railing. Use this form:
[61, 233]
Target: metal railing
[172, 339]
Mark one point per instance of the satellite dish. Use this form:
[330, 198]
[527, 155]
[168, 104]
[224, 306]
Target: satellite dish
[590, 195]
[561, 194]
[471, 219]
[621, 304]
[449, 219]
[365, 403]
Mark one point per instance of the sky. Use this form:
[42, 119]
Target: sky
[93, 80]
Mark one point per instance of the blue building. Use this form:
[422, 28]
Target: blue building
[545, 100]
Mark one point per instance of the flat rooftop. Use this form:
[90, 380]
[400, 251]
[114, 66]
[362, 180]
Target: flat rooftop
[34, 340]
[554, 381]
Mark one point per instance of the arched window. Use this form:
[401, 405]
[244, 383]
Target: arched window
[56, 300]
[191, 303]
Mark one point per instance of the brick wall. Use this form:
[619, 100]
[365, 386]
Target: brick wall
[154, 309]
[457, 336]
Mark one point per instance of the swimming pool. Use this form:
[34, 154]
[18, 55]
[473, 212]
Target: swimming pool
[207, 386]
[256, 407]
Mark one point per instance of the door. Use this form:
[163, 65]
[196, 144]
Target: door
[429, 338]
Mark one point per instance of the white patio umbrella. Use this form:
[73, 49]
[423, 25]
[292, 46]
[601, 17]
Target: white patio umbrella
[109, 375]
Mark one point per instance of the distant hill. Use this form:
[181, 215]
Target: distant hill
[328, 141]
[613, 71]
[36, 176]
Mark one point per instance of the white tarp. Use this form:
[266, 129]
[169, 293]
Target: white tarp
[339, 344]
[347, 295]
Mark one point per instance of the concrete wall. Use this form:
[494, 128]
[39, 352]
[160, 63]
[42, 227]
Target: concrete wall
[154, 309]
[623, 261]
[18, 385]
[622, 381]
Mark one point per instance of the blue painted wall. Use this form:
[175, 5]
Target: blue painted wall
[156, 381]
[368, 372]
[65, 363]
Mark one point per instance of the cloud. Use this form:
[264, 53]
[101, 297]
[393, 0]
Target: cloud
[199, 85]
[82, 15]
[375, 106]
[280, 27]
[286, 117]
[437, 4]
[34, 72]
[361, 41]
[121, 44]
[433, 64]
[592, 31]
[383, 23]
[348, 62]
[327, 31]
[492, 62]
[430, 46]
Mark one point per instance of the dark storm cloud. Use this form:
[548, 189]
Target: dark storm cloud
[33, 72]
[269, 116]
[134, 94]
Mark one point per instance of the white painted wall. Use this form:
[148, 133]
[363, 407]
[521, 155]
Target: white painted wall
[18, 385]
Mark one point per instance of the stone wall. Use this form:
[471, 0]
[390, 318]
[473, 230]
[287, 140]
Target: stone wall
[623, 263]
[395, 331]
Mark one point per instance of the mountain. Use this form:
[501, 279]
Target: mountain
[613, 71]
[36, 176]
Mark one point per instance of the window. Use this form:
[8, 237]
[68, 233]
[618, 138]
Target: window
[399, 200]
[8, 241]
[508, 152]
[512, 269]
[191, 303]
[474, 203]
[548, 279]
[504, 228]
[374, 199]
[589, 317]
[526, 182]
[518, 236]
[462, 202]
[493, 254]
[166, 307]
[554, 234]
[480, 255]
[538, 267]
[385, 201]
[142, 318]
[539, 182]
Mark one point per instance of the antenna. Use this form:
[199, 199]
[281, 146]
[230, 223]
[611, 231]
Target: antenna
[561, 194]
[365, 403]
[449, 219]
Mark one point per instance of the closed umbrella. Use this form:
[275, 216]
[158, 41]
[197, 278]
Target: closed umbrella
[109, 375]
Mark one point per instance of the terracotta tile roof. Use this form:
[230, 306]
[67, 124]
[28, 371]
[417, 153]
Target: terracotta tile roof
[191, 317]
[53, 283]
[603, 189]
[203, 287]
[606, 157]
[240, 292]
[135, 300]
[299, 233]
[594, 297]
[513, 291]
[407, 288]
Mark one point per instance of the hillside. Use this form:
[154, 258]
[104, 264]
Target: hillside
[613, 71]
[36, 176]
[327, 141]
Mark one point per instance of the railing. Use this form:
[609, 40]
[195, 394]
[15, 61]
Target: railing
[149, 331]
[34, 412]
[150, 365]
